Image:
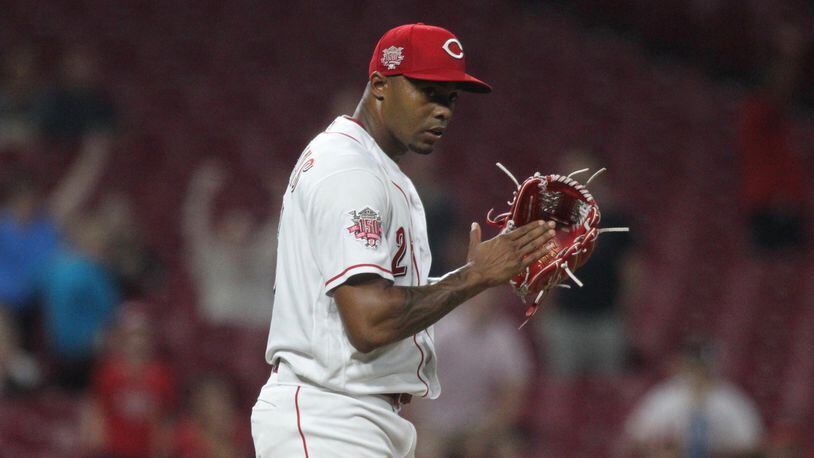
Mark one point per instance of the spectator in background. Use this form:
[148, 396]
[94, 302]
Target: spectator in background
[212, 426]
[232, 262]
[76, 106]
[441, 212]
[695, 413]
[31, 224]
[18, 371]
[137, 269]
[133, 393]
[20, 89]
[584, 328]
[487, 369]
[79, 297]
[29, 236]
[774, 176]
[784, 440]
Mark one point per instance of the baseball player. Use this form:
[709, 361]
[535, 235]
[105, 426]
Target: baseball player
[351, 336]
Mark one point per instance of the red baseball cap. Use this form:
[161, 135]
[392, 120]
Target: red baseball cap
[424, 52]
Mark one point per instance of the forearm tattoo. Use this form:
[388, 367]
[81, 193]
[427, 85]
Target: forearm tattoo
[421, 306]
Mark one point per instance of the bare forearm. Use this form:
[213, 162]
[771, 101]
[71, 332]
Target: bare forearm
[392, 313]
[376, 313]
[421, 306]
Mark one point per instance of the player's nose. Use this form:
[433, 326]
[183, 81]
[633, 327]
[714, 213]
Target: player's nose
[443, 113]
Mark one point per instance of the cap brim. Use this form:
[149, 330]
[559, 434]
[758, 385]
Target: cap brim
[468, 82]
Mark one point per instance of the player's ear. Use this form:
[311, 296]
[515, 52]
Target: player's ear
[378, 85]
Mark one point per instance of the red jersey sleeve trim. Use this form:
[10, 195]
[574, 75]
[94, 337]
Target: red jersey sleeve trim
[356, 266]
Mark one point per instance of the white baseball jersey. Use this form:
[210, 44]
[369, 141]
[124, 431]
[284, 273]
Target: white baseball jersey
[348, 210]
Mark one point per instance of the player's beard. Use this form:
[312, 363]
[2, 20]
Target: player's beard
[422, 150]
[421, 146]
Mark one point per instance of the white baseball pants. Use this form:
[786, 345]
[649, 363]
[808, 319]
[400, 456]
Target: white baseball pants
[291, 420]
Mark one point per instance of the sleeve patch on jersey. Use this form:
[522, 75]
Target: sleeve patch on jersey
[366, 227]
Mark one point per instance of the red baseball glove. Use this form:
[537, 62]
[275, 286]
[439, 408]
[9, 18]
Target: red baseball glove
[561, 199]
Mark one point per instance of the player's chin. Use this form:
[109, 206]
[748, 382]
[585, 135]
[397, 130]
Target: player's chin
[422, 147]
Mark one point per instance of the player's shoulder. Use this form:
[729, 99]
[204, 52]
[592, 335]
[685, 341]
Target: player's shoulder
[338, 145]
[335, 151]
[339, 156]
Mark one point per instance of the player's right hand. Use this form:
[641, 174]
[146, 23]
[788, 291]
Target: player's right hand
[495, 261]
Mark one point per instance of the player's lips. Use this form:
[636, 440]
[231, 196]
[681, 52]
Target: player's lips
[436, 132]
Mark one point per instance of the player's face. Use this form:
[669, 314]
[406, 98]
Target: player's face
[418, 112]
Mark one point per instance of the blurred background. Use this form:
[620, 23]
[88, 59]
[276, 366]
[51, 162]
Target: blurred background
[144, 147]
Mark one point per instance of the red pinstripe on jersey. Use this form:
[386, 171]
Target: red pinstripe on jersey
[418, 369]
[299, 424]
[418, 277]
[415, 264]
[402, 192]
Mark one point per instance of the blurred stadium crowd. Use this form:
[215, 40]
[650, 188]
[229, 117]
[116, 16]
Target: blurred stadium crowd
[144, 147]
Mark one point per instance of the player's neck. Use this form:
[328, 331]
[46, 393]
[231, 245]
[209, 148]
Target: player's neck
[371, 121]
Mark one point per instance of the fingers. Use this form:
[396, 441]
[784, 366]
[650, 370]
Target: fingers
[535, 243]
[523, 230]
[545, 231]
[526, 228]
[543, 249]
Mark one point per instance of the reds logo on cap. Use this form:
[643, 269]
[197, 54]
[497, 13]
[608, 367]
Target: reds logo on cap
[424, 52]
[454, 41]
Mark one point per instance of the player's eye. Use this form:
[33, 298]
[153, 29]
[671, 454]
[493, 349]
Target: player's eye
[453, 97]
[429, 91]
